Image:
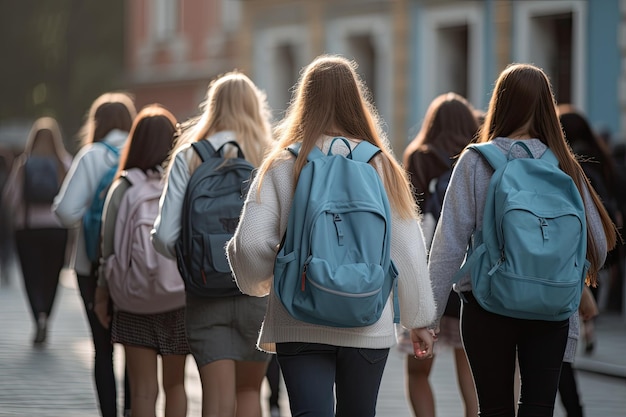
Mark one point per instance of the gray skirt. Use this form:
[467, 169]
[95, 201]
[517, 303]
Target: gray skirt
[225, 328]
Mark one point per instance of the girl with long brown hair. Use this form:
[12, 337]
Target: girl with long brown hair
[106, 125]
[330, 100]
[522, 108]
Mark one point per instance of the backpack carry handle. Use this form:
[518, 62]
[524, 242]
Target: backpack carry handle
[521, 145]
[205, 150]
[363, 152]
[220, 151]
[345, 142]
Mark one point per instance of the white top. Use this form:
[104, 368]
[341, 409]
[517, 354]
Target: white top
[79, 188]
[253, 249]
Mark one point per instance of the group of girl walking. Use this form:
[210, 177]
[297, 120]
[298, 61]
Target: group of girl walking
[328, 371]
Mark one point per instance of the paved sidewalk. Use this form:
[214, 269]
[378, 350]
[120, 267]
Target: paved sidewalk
[56, 380]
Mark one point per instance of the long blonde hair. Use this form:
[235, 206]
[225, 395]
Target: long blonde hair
[233, 103]
[523, 99]
[331, 96]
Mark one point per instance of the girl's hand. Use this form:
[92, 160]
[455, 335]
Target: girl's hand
[422, 343]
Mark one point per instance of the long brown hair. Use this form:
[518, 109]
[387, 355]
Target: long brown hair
[449, 124]
[331, 96]
[523, 102]
[114, 110]
[150, 140]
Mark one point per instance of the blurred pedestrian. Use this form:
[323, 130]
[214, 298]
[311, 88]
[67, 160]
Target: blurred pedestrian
[145, 336]
[449, 125]
[40, 239]
[221, 330]
[108, 121]
[522, 108]
[321, 364]
[597, 163]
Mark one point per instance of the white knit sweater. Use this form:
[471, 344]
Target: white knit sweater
[251, 253]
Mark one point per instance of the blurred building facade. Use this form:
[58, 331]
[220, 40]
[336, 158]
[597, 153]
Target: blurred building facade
[175, 47]
[408, 51]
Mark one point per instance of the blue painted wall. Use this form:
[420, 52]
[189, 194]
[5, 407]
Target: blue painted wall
[603, 58]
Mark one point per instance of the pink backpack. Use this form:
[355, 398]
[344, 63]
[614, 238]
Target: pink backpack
[140, 279]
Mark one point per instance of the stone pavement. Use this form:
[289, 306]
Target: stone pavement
[56, 380]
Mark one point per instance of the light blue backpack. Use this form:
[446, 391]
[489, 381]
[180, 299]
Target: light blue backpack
[529, 259]
[334, 266]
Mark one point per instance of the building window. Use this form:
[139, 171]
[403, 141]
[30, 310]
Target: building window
[279, 53]
[231, 14]
[450, 54]
[452, 60]
[165, 19]
[368, 39]
[550, 34]
[286, 74]
[364, 53]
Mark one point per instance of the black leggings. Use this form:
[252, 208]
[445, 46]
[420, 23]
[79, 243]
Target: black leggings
[103, 348]
[42, 254]
[492, 343]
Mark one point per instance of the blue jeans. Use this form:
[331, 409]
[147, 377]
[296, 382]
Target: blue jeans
[492, 342]
[312, 370]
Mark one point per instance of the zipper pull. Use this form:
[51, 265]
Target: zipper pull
[496, 266]
[544, 228]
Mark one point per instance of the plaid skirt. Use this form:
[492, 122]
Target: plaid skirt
[163, 332]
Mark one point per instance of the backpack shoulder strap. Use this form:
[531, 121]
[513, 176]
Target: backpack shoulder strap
[364, 151]
[549, 156]
[314, 154]
[491, 153]
[110, 147]
[204, 149]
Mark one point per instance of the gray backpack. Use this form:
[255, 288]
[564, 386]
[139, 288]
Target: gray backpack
[211, 207]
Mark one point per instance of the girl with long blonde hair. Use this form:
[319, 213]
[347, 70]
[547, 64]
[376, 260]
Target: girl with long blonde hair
[221, 330]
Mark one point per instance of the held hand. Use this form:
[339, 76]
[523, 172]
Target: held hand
[422, 343]
[101, 306]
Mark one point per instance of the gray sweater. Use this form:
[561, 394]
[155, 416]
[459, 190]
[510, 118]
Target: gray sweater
[462, 214]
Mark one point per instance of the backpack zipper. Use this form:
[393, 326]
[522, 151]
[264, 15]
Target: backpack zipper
[305, 267]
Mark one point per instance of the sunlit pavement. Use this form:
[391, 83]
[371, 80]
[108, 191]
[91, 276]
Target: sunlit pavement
[56, 379]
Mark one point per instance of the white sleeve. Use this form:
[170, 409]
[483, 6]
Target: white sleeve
[167, 225]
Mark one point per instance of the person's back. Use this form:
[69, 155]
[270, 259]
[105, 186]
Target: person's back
[522, 108]
[146, 290]
[333, 357]
[39, 236]
[108, 120]
[222, 324]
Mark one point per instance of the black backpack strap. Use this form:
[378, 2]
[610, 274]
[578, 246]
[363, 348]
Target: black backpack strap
[220, 150]
[204, 149]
